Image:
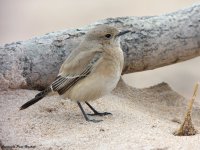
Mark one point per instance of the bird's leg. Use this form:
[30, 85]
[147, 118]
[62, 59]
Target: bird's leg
[96, 113]
[84, 114]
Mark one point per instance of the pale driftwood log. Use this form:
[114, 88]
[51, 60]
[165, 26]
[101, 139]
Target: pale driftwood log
[154, 42]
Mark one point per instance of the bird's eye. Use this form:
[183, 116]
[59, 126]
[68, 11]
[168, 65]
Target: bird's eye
[108, 36]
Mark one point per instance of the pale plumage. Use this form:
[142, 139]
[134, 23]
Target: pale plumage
[91, 71]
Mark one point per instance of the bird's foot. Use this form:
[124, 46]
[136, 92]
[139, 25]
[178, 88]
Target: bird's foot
[100, 114]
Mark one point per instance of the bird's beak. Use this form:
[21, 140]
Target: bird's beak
[122, 33]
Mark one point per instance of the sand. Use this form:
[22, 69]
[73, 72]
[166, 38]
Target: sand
[142, 119]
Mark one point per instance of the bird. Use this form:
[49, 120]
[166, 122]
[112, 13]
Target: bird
[91, 71]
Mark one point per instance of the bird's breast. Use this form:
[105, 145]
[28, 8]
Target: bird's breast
[101, 81]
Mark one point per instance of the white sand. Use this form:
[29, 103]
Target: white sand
[142, 119]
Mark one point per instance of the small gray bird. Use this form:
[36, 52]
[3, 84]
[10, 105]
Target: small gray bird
[91, 71]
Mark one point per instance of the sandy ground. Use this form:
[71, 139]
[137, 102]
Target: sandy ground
[142, 119]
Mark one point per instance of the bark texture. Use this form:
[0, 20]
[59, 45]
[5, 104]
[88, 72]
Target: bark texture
[153, 42]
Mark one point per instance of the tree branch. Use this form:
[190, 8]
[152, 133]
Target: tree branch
[154, 42]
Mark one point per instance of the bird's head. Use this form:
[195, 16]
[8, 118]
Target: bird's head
[103, 35]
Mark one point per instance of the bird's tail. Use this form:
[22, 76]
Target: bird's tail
[37, 97]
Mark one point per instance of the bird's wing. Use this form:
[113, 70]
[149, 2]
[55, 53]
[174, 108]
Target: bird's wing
[72, 72]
